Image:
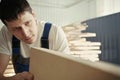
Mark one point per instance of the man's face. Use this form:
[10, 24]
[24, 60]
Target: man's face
[24, 28]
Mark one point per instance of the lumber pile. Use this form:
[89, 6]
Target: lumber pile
[78, 44]
[9, 71]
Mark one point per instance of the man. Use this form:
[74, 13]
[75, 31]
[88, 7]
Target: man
[20, 22]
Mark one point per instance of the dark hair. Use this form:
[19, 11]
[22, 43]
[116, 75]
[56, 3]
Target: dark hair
[10, 9]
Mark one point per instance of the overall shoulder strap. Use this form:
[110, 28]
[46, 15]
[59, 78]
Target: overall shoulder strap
[44, 38]
[20, 64]
[15, 45]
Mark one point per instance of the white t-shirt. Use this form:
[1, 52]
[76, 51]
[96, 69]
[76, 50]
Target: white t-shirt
[57, 41]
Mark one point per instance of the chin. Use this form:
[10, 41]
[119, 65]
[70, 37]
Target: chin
[30, 41]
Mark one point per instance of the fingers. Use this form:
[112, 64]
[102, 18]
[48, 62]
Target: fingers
[27, 75]
[24, 76]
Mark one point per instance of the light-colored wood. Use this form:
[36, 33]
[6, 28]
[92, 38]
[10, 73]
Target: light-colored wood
[88, 52]
[86, 48]
[9, 71]
[51, 65]
[77, 41]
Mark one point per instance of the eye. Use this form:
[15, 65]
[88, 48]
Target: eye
[17, 29]
[28, 23]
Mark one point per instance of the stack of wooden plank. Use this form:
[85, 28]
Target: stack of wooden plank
[78, 44]
[9, 71]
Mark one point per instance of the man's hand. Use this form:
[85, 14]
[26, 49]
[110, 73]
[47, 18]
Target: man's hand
[23, 76]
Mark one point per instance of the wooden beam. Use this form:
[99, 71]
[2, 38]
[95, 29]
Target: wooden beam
[51, 65]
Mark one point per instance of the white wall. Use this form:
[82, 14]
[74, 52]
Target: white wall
[54, 15]
[80, 12]
[106, 7]
[62, 16]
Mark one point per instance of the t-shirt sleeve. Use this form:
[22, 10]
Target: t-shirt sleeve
[5, 41]
[60, 42]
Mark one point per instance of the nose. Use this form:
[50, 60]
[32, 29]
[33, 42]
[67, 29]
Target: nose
[25, 31]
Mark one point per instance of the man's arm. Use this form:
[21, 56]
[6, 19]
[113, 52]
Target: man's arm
[4, 60]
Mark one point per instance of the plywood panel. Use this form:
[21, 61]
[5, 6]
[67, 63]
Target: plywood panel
[50, 65]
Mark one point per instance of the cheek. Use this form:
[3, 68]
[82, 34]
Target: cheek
[34, 29]
[17, 35]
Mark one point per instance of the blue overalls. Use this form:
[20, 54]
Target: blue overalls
[19, 62]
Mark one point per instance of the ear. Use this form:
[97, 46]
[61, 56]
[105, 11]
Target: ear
[33, 13]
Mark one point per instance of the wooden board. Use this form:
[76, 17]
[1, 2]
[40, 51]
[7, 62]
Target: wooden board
[51, 65]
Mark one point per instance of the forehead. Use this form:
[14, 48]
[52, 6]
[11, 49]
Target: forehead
[26, 16]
